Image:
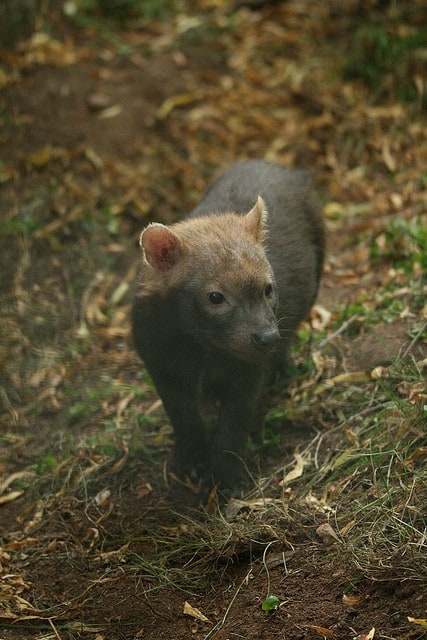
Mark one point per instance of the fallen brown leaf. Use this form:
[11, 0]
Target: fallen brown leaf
[367, 636]
[10, 497]
[179, 100]
[297, 471]
[121, 463]
[20, 544]
[322, 630]
[422, 622]
[327, 534]
[352, 601]
[346, 528]
[194, 613]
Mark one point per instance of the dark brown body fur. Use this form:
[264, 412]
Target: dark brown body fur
[220, 296]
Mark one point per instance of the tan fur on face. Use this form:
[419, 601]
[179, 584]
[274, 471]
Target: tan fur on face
[215, 249]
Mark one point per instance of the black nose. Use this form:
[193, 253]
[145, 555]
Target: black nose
[265, 340]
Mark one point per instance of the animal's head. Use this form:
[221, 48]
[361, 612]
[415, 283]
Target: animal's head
[215, 269]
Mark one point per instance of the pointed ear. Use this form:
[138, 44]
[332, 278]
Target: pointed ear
[162, 248]
[256, 220]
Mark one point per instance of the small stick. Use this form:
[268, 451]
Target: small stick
[58, 637]
[336, 333]
[413, 341]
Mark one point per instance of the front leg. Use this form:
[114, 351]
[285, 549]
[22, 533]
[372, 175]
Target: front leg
[181, 401]
[239, 408]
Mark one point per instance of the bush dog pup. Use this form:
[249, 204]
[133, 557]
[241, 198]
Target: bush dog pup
[219, 298]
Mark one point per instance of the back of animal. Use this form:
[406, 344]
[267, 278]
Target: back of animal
[295, 239]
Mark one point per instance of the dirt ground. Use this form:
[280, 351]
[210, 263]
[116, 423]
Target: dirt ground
[102, 132]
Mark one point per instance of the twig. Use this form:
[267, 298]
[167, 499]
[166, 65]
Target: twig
[413, 341]
[336, 333]
[221, 623]
[58, 637]
[96, 280]
[264, 555]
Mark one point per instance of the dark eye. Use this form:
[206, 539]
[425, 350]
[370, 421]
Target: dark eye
[216, 297]
[268, 290]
